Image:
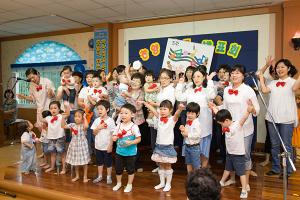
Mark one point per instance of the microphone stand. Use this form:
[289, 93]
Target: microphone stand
[285, 155]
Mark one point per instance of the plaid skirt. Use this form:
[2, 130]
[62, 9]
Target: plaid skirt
[78, 151]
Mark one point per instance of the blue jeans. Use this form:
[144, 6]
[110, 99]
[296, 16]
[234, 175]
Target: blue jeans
[286, 133]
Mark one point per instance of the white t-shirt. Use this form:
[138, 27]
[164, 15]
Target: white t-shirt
[130, 128]
[26, 137]
[84, 93]
[167, 93]
[235, 139]
[55, 131]
[165, 131]
[43, 137]
[237, 105]
[194, 132]
[103, 137]
[282, 103]
[96, 92]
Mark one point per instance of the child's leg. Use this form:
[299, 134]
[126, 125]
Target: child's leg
[130, 166]
[204, 161]
[119, 170]
[63, 162]
[224, 177]
[85, 171]
[53, 160]
[243, 182]
[47, 160]
[161, 173]
[76, 174]
[168, 175]
[108, 164]
[189, 168]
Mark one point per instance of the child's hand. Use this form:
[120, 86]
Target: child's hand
[109, 148]
[250, 107]
[181, 106]
[210, 77]
[181, 80]
[181, 128]
[211, 105]
[114, 138]
[128, 142]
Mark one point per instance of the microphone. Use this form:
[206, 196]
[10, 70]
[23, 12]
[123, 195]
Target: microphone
[23, 79]
[248, 74]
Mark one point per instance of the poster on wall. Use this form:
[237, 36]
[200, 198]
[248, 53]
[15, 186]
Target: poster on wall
[181, 54]
[101, 49]
[231, 48]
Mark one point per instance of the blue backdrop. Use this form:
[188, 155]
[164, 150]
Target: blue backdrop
[231, 48]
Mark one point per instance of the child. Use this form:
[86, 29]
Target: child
[164, 153]
[44, 141]
[191, 133]
[151, 89]
[127, 135]
[78, 151]
[97, 92]
[103, 127]
[234, 139]
[27, 149]
[296, 134]
[56, 134]
[68, 83]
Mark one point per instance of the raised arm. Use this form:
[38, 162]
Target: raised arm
[150, 107]
[263, 86]
[178, 111]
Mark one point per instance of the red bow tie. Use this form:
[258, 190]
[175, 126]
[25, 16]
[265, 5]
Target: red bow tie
[198, 90]
[279, 83]
[74, 131]
[189, 122]
[226, 83]
[66, 81]
[39, 87]
[232, 91]
[102, 122]
[121, 135]
[164, 119]
[154, 85]
[225, 129]
[97, 91]
[54, 118]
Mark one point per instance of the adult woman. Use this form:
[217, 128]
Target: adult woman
[166, 92]
[283, 109]
[10, 110]
[235, 100]
[41, 91]
[202, 92]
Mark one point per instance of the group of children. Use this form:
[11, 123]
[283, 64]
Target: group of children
[106, 111]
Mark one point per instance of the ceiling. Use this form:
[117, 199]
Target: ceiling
[21, 17]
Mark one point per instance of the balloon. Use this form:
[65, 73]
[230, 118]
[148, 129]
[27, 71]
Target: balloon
[91, 43]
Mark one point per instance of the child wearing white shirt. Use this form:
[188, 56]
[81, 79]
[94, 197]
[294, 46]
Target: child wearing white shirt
[103, 128]
[234, 139]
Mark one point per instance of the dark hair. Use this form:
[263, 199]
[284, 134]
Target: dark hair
[79, 111]
[89, 72]
[166, 104]
[79, 74]
[46, 113]
[139, 76]
[292, 69]
[202, 70]
[129, 107]
[166, 71]
[193, 107]
[55, 103]
[189, 68]
[222, 115]
[226, 68]
[31, 71]
[240, 68]
[202, 184]
[103, 103]
[65, 68]
[144, 68]
[23, 126]
[149, 73]
[9, 91]
[120, 68]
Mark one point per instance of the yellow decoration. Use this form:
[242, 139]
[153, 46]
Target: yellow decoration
[144, 54]
[155, 48]
[187, 39]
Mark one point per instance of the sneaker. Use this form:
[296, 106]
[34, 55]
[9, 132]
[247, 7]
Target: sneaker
[128, 188]
[98, 179]
[155, 170]
[244, 194]
[108, 180]
[222, 184]
[271, 173]
[229, 182]
[117, 187]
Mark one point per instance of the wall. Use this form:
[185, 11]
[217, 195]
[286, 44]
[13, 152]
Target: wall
[266, 39]
[291, 24]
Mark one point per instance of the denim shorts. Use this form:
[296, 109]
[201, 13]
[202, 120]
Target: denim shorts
[205, 146]
[57, 145]
[192, 156]
[45, 148]
[235, 163]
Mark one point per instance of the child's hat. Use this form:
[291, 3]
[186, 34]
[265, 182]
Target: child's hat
[136, 65]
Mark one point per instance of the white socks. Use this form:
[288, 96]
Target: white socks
[161, 174]
[168, 175]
